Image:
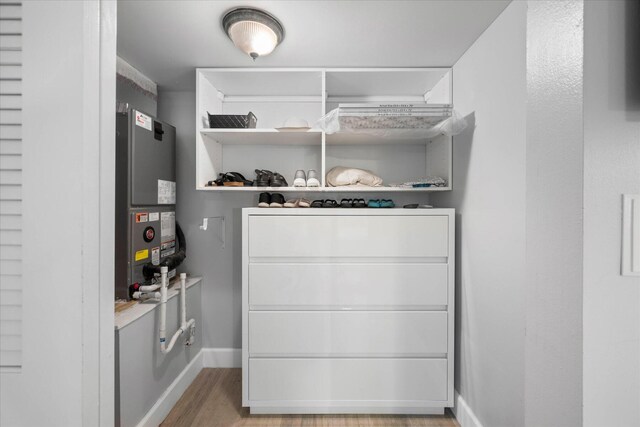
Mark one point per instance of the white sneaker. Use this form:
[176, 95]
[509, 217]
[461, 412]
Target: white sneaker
[300, 179]
[312, 179]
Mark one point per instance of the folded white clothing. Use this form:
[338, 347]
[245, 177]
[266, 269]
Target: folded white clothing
[341, 176]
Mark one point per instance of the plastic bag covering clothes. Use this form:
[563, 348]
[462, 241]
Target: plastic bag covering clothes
[341, 176]
[400, 127]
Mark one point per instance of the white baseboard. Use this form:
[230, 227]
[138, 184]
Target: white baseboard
[221, 357]
[170, 397]
[464, 414]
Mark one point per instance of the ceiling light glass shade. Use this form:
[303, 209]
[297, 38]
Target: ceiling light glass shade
[253, 31]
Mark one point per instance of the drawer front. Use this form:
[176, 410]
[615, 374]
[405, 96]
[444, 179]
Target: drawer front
[348, 379]
[344, 333]
[348, 236]
[347, 285]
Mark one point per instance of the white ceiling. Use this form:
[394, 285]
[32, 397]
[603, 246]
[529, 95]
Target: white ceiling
[166, 40]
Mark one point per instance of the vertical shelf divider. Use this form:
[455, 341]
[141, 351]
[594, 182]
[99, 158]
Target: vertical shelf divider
[323, 155]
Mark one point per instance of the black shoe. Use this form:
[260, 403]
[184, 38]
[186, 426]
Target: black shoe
[330, 203]
[277, 180]
[346, 203]
[359, 203]
[231, 179]
[262, 178]
[264, 200]
[316, 204]
[277, 200]
[238, 177]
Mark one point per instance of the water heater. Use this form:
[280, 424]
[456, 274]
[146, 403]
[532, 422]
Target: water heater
[145, 198]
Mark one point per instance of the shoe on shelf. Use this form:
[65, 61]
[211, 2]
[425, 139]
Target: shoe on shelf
[277, 180]
[293, 203]
[231, 179]
[264, 200]
[346, 203]
[262, 177]
[300, 179]
[277, 200]
[359, 203]
[387, 203]
[312, 178]
[304, 203]
[317, 204]
[374, 203]
[330, 203]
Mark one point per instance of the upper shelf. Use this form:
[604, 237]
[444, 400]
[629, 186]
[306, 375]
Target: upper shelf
[263, 136]
[354, 138]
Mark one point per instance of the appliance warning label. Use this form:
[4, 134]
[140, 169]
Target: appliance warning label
[155, 255]
[143, 120]
[167, 248]
[166, 192]
[167, 225]
[142, 254]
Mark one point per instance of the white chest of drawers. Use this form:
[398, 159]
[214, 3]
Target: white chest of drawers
[347, 310]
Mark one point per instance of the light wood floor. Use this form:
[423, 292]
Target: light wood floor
[215, 396]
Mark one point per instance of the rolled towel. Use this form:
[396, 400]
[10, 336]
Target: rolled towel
[341, 176]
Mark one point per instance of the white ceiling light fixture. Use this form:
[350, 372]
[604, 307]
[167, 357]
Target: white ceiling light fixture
[253, 31]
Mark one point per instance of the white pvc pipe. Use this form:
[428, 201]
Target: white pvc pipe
[163, 306]
[149, 288]
[184, 325]
[140, 295]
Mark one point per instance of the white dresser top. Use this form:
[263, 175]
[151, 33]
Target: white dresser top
[349, 211]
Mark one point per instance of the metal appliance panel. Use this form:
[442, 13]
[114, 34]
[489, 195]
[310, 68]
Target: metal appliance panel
[153, 161]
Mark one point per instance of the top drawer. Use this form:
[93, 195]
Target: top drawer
[348, 236]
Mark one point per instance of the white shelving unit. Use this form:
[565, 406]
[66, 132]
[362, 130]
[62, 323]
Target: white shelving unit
[276, 94]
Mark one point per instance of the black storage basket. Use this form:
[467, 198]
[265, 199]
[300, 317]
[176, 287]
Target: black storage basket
[232, 121]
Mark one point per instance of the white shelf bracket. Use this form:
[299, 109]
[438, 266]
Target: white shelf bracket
[223, 231]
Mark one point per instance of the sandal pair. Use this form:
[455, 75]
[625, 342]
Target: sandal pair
[328, 203]
[297, 203]
[230, 179]
[381, 203]
[353, 203]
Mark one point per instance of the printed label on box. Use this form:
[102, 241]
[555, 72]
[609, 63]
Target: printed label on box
[143, 120]
[142, 217]
[167, 224]
[154, 216]
[142, 254]
[166, 192]
[155, 255]
[168, 248]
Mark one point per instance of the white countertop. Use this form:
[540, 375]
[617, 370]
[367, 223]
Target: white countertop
[136, 311]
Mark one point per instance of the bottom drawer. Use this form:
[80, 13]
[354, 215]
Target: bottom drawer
[348, 379]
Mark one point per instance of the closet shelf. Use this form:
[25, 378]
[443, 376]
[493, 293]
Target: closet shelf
[263, 136]
[413, 137]
[327, 189]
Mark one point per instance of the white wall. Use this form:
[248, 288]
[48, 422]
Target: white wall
[612, 168]
[67, 370]
[553, 345]
[489, 88]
